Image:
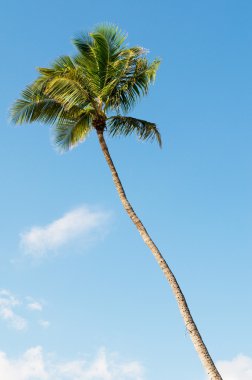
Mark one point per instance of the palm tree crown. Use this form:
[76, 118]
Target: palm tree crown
[77, 94]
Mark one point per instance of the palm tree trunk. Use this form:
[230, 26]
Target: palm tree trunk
[182, 304]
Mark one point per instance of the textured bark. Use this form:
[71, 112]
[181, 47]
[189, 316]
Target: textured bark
[191, 327]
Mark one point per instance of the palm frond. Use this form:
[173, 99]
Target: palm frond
[133, 78]
[67, 91]
[88, 64]
[120, 75]
[152, 69]
[123, 125]
[83, 42]
[34, 106]
[97, 53]
[65, 82]
[102, 53]
[61, 66]
[97, 50]
[114, 37]
[70, 132]
[86, 59]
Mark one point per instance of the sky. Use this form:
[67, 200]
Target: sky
[81, 297]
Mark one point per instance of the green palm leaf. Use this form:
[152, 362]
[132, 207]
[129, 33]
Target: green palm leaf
[123, 125]
[68, 92]
[75, 94]
[102, 52]
[34, 106]
[87, 61]
[132, 82]
[69, 132]
[114, 37]
[61, 66]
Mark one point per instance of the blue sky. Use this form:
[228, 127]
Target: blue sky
[92, 303]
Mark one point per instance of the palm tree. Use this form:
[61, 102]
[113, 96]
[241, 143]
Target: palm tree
[80, 94]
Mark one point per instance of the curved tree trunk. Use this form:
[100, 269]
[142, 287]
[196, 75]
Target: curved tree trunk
[182, 304]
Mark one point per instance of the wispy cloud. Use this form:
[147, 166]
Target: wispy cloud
[8, 302]
[35, 306]
[11, 308]
[81, 224]
[43, 323]
[239, 368]
[34, 363]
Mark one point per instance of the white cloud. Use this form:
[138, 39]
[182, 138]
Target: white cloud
[43, 323]
[35, 364]
[35, 306]
[239, 368]
[29, 366]
[78, 224]
[8, 302]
